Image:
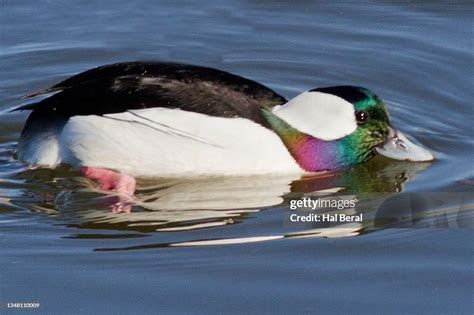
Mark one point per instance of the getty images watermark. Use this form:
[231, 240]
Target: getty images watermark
[307, 204]
[382, 210]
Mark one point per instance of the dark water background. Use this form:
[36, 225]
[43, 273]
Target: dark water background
[60, 246]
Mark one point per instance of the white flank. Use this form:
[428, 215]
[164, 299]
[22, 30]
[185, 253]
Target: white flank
[169, 142]
[321, 115]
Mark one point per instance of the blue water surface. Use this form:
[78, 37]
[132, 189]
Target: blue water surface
[224, 245]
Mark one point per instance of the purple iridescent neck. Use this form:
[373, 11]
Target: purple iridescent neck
[312, 154]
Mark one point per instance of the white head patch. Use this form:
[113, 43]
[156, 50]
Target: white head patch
[321, 115]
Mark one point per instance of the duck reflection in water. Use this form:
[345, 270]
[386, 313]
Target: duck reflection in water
[262, 203]
[187, 204]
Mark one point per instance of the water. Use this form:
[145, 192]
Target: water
[224, 245]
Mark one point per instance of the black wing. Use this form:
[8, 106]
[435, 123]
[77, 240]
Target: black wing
[135, 85]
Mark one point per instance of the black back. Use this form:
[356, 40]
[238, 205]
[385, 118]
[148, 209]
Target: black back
[135, 85]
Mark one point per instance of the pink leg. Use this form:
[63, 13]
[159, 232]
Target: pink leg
[114, 181]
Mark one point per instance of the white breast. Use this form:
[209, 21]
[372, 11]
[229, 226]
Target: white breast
[168, 142]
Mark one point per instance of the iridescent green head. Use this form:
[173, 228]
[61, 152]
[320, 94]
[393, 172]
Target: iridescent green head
[333, 127]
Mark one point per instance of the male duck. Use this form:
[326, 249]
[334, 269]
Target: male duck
[166, 119]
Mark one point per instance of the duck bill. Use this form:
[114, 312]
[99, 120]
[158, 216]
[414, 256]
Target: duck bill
[399, 147]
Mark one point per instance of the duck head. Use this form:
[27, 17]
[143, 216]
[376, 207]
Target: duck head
[334, 127]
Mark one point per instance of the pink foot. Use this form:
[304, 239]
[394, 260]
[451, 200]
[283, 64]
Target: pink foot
[113, 181]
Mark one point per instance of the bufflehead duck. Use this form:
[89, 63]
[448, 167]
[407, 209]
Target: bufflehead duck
[156, 119]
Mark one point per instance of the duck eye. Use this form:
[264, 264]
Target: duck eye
[361, 116]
